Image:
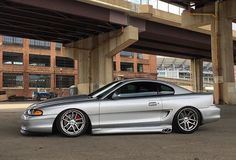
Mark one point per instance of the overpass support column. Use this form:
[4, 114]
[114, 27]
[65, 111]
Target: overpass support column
[220, 15]
[222, 56]
[95, 56]
[197, 74]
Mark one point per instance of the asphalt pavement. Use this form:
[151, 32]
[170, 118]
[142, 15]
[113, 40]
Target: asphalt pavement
[215, 141]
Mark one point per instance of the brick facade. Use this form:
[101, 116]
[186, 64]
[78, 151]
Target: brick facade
[149, 67]
[26, 69]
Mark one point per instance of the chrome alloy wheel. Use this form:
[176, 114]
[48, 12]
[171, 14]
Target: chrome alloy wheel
[188, 119]
[72, 122]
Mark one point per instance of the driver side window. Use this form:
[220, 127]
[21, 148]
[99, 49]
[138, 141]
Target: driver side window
[135, 90]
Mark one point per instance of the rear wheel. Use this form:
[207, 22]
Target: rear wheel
[186, 120]
[72, 123]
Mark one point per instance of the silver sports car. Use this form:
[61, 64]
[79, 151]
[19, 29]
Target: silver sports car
[127, 106]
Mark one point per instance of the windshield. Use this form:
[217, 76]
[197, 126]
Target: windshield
[105, 89]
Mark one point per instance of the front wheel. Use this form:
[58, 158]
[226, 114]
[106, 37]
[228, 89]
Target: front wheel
[72, 123]
[186, 120]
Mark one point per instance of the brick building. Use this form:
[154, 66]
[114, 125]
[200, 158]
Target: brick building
[27, 65]
[134, 65]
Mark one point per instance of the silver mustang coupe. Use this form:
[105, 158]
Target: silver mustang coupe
[127, 106]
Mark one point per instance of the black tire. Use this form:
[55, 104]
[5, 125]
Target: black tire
[38, 98]
[81, 128]
[182, 122]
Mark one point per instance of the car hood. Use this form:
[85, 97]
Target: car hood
[64, 100]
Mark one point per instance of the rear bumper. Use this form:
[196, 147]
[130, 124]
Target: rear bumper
[39, 124]
[210, 114]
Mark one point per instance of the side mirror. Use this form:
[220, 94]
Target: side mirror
[115, 96]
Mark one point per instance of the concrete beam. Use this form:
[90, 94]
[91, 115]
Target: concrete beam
[126, 37]
[95, 55]
[200, 17]
[194, 20]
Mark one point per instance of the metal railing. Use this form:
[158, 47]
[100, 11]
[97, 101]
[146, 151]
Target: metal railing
[161, 5]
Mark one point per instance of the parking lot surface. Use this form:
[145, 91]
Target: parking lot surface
[216, 141]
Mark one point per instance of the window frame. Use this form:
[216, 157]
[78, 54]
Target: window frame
[126, 70]
[34, 43]
[6, 52]
[167, 94]
[35, 55]
[15, 87]
[61, 82]
[109, 95]
[63, 59]
[49, 83]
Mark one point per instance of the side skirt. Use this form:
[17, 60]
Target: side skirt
[160, 129]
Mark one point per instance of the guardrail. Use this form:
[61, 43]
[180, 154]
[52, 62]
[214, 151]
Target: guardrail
[160, 5]
[185, 82]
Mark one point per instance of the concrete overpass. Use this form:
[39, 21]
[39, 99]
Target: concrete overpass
[96, 30]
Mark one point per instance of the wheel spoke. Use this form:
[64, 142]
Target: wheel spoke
[182, 114]
[65, 120]
[69, 128]
[79, 123]
[185, 125]
[191, 123]
[181, 122]
[73, 128]
[68, 117]
[190, 113]
[188, 127]
[194, 120]
[181, 119]
[66, 125]
[77, 127]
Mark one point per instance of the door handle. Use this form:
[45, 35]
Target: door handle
[152, 104]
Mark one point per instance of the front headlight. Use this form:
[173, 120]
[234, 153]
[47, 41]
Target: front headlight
[34, 112]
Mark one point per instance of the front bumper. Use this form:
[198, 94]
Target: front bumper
[210, 114]
[39, 124]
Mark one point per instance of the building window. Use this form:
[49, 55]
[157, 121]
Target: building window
[140, 67]
[12, 58]
[39, 60]
[64, 62]
[124, 66]
[39, 43]
[58, 46]
[13, 80]
[114, 66]
[140, 56]
[8, 40]
[64, 81]
[39, 81]
[127, 54]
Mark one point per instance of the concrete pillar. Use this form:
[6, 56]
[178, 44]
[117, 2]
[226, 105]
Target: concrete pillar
[220, 15]
[118, 62]
[1, 63]
[53, 67]
[197, 74]
[95, 56]
[135, 64]
[26, 64]
[222, 56]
